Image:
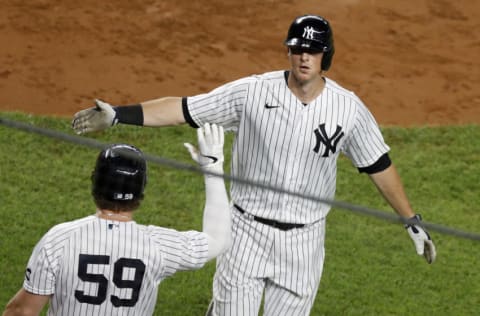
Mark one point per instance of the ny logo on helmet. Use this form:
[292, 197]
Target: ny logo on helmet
[309, 33]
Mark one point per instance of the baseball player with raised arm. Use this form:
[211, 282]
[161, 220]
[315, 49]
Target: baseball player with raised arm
[107, 264]
[290, 127]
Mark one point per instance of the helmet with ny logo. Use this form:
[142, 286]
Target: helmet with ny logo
[314, 33]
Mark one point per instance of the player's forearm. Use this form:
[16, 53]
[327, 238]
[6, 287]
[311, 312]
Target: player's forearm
[163, 112]
[390, 186]
[18, 311]
[25, 304]
[216, 216]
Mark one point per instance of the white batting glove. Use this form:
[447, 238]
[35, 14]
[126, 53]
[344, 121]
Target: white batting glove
[97, 118]
[210, 143]
[421, 239]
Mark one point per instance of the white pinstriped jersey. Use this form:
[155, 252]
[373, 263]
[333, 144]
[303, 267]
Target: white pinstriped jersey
[94, 266]
[284, 143]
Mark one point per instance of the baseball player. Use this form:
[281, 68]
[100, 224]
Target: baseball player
[107, 264]
[290, 127]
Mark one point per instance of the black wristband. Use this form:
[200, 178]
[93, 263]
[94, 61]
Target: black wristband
[414, 220]
[129, 114]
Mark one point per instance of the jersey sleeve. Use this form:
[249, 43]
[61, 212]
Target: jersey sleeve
[222, 106]
[365, 144]
[40, 273]
[180, 251]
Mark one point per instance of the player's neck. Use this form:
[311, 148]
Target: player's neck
[115, 216]
[306, 91]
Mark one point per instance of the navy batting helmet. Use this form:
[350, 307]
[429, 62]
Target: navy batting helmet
[312, 32]
[120, 174]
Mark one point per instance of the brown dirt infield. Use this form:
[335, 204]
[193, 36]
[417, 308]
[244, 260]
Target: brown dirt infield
[411, 64]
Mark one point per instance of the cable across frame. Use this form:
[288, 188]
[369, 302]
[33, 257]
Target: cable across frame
[92, 143]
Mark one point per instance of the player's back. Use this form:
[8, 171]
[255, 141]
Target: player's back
[100, 267]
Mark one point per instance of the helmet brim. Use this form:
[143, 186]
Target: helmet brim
[312, 45]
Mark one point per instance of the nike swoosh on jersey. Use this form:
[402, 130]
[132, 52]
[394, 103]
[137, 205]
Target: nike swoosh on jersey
[268, 106]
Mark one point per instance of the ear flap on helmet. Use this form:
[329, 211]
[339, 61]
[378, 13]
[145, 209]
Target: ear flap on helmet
[327, 59]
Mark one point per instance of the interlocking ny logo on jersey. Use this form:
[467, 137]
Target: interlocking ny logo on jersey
[329, 142]
[309, 33]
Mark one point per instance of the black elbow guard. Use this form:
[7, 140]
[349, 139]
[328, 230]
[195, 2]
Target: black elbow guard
[381, 164]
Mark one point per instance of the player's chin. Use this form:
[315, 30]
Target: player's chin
[303, 74]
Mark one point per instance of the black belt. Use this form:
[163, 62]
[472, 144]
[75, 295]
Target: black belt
[270, 222]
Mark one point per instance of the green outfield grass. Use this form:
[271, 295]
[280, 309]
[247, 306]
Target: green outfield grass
[371, 267]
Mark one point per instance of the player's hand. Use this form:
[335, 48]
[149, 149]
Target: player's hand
[421, 239]
[210, 143]
[97, 118]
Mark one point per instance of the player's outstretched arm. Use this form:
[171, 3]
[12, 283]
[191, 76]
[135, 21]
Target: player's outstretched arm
[160, 112]
[390, 186]
[216, 215]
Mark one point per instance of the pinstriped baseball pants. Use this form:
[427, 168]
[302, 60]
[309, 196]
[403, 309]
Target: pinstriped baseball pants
[285, 265]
